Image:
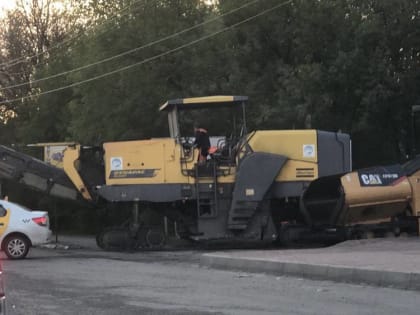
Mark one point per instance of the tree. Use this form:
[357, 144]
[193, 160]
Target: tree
[31, 34]
[124, 106]
[335, 65]
[348, 65]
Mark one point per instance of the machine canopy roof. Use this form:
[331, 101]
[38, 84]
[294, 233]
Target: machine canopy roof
[203, 102]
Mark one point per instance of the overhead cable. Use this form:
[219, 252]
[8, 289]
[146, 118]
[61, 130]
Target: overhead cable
[191, 43]
[25, 59]
[131, 50]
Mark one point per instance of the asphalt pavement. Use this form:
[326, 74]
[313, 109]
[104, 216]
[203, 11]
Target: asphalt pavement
[389, 262]
[89, 282]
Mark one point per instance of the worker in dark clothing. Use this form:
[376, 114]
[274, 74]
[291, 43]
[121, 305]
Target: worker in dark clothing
[202, 142]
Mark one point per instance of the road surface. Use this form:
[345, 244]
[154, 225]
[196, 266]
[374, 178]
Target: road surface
[86, 281]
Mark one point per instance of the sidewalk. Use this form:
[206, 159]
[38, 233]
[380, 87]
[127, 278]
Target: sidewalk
[382, 262]
[393, 262]
[73, 242]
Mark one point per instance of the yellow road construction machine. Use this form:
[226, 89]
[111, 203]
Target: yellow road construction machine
[370, 202]
[376, 201]
[252, 183]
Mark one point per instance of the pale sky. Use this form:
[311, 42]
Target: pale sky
[6, 4]
[10, 4]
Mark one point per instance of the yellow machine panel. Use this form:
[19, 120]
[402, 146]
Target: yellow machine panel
[369, 203]
[300, 146]
[362, 196]
[295, 144]
[158, 160]
[368, 195]
[151, 161]
[415, 201]
[298, 171]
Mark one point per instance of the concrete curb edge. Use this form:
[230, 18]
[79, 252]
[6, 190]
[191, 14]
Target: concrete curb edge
[382, 278]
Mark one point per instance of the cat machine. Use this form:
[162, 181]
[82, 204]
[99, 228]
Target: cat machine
[376, 201]
[370, 202]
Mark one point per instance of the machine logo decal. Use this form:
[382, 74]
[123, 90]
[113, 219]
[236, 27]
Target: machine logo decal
[371, 179]
[116, 163]
[139, 173]
[309, 150]
[381, 176]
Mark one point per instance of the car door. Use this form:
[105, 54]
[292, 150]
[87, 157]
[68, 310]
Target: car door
[4, 219]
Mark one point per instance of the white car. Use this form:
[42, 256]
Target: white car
[21, 228]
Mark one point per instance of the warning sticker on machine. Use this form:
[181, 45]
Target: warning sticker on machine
[380, 176]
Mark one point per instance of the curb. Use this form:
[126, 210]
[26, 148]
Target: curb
[382, 278]
[54, 246]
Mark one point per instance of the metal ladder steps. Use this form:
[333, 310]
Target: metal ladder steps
[243, 213]
[240, 218]
[237, 226]
[207, 202]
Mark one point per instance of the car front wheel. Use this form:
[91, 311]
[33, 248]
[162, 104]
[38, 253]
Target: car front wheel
[16, 246]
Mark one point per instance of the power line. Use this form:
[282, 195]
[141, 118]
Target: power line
[132, 50]
[26, 59]
[154, 57]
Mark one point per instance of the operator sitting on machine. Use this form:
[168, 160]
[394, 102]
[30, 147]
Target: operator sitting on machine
[202, 142]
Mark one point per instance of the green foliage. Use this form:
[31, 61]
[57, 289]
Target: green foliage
[349, 65]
